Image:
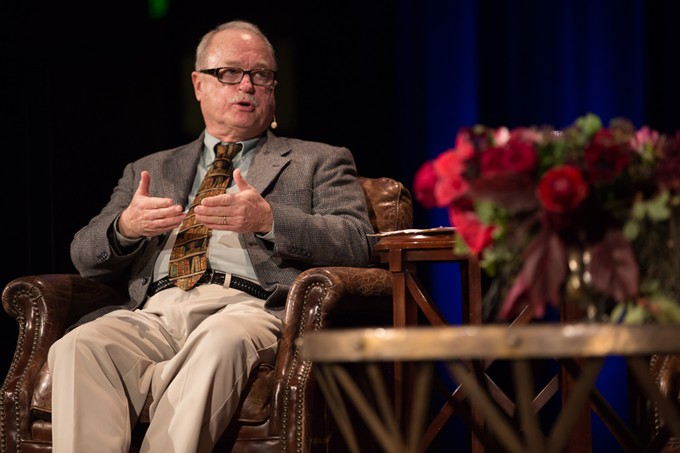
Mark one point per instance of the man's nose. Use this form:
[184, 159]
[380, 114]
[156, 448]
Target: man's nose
[246, 83]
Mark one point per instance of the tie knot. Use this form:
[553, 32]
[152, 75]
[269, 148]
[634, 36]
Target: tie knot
[227, 150]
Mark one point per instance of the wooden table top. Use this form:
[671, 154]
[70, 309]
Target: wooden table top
[490, 341]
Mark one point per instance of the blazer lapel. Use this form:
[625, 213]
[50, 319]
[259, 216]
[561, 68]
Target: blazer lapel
[271, 158]
[181, 171]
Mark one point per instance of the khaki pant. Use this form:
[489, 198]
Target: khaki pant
[192, 350]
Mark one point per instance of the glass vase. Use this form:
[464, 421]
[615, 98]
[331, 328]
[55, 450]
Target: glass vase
[579, 290]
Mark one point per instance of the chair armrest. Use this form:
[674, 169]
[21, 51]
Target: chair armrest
[324, 292]
[44, 306]
[49, 304]
[319, 298]
[666, 371]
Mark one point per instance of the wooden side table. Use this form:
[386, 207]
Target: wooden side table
[402, 252]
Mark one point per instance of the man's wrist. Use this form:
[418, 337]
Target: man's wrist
[122, 243]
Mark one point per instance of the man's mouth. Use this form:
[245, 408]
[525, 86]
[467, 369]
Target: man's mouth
[245, 101]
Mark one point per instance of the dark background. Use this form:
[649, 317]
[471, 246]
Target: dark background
[89, 86]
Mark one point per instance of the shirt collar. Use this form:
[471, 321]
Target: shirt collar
[209, 142]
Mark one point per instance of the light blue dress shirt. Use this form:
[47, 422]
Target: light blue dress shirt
[224, 249]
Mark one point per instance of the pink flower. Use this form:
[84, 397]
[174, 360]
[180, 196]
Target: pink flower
[501, 136]
[526, 134]
[645, 137]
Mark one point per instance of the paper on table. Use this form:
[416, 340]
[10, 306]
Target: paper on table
[438, 230]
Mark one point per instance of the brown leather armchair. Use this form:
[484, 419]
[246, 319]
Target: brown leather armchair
[666, 371]
[281, 410]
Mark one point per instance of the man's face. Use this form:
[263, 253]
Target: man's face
[240, 111]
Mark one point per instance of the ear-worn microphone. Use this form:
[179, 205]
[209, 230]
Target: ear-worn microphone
[274, 124]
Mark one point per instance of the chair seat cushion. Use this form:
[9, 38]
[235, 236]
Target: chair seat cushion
[254, 407]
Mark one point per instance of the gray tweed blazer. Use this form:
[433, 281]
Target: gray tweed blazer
[319, 209]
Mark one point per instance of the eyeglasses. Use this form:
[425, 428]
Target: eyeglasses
[232, 76]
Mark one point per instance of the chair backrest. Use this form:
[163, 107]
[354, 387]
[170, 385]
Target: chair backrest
[389, 202]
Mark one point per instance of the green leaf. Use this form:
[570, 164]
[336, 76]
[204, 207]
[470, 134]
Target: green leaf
[459, 246]
[589, 124]
[638, 210]
[485, 211]
[631, 229]
[635, 315]
[665, 309]
[618, 313]
[657, 208]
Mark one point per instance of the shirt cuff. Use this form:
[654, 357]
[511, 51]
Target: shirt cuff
[269, 237]
[120, 243]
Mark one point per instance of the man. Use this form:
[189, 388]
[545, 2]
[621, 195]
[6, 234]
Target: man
[292, 205]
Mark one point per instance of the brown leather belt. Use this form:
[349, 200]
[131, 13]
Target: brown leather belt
[216, 278]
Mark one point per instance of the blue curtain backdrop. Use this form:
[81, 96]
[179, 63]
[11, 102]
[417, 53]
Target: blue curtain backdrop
[531, 62]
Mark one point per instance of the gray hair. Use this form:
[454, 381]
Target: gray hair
[202, 49]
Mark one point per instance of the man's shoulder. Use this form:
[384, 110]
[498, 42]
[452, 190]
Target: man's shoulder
[297, 144]
[171, 153]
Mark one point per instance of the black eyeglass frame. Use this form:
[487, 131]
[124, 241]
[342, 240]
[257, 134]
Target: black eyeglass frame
[214, 72]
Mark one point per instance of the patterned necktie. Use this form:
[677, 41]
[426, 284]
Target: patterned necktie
[188, 260]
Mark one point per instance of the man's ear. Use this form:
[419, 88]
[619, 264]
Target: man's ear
[196, 82]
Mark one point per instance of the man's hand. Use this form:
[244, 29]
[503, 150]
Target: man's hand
[148, 216]
[245, 211]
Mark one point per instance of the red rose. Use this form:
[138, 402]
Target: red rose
[668, 168]
[449, 167]
[562, 189]
[492, 162]
[515, 157]
[472, 139]
[526, 134]
[506, 175]
[464, 146]
[424, 184]
[476, 235]
[520, 156]
[606, 156]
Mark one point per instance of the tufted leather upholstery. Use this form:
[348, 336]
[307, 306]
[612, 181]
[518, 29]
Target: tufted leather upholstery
[666, 371]
[281, 409]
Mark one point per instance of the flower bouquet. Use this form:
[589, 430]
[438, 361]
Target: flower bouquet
[529, 200]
